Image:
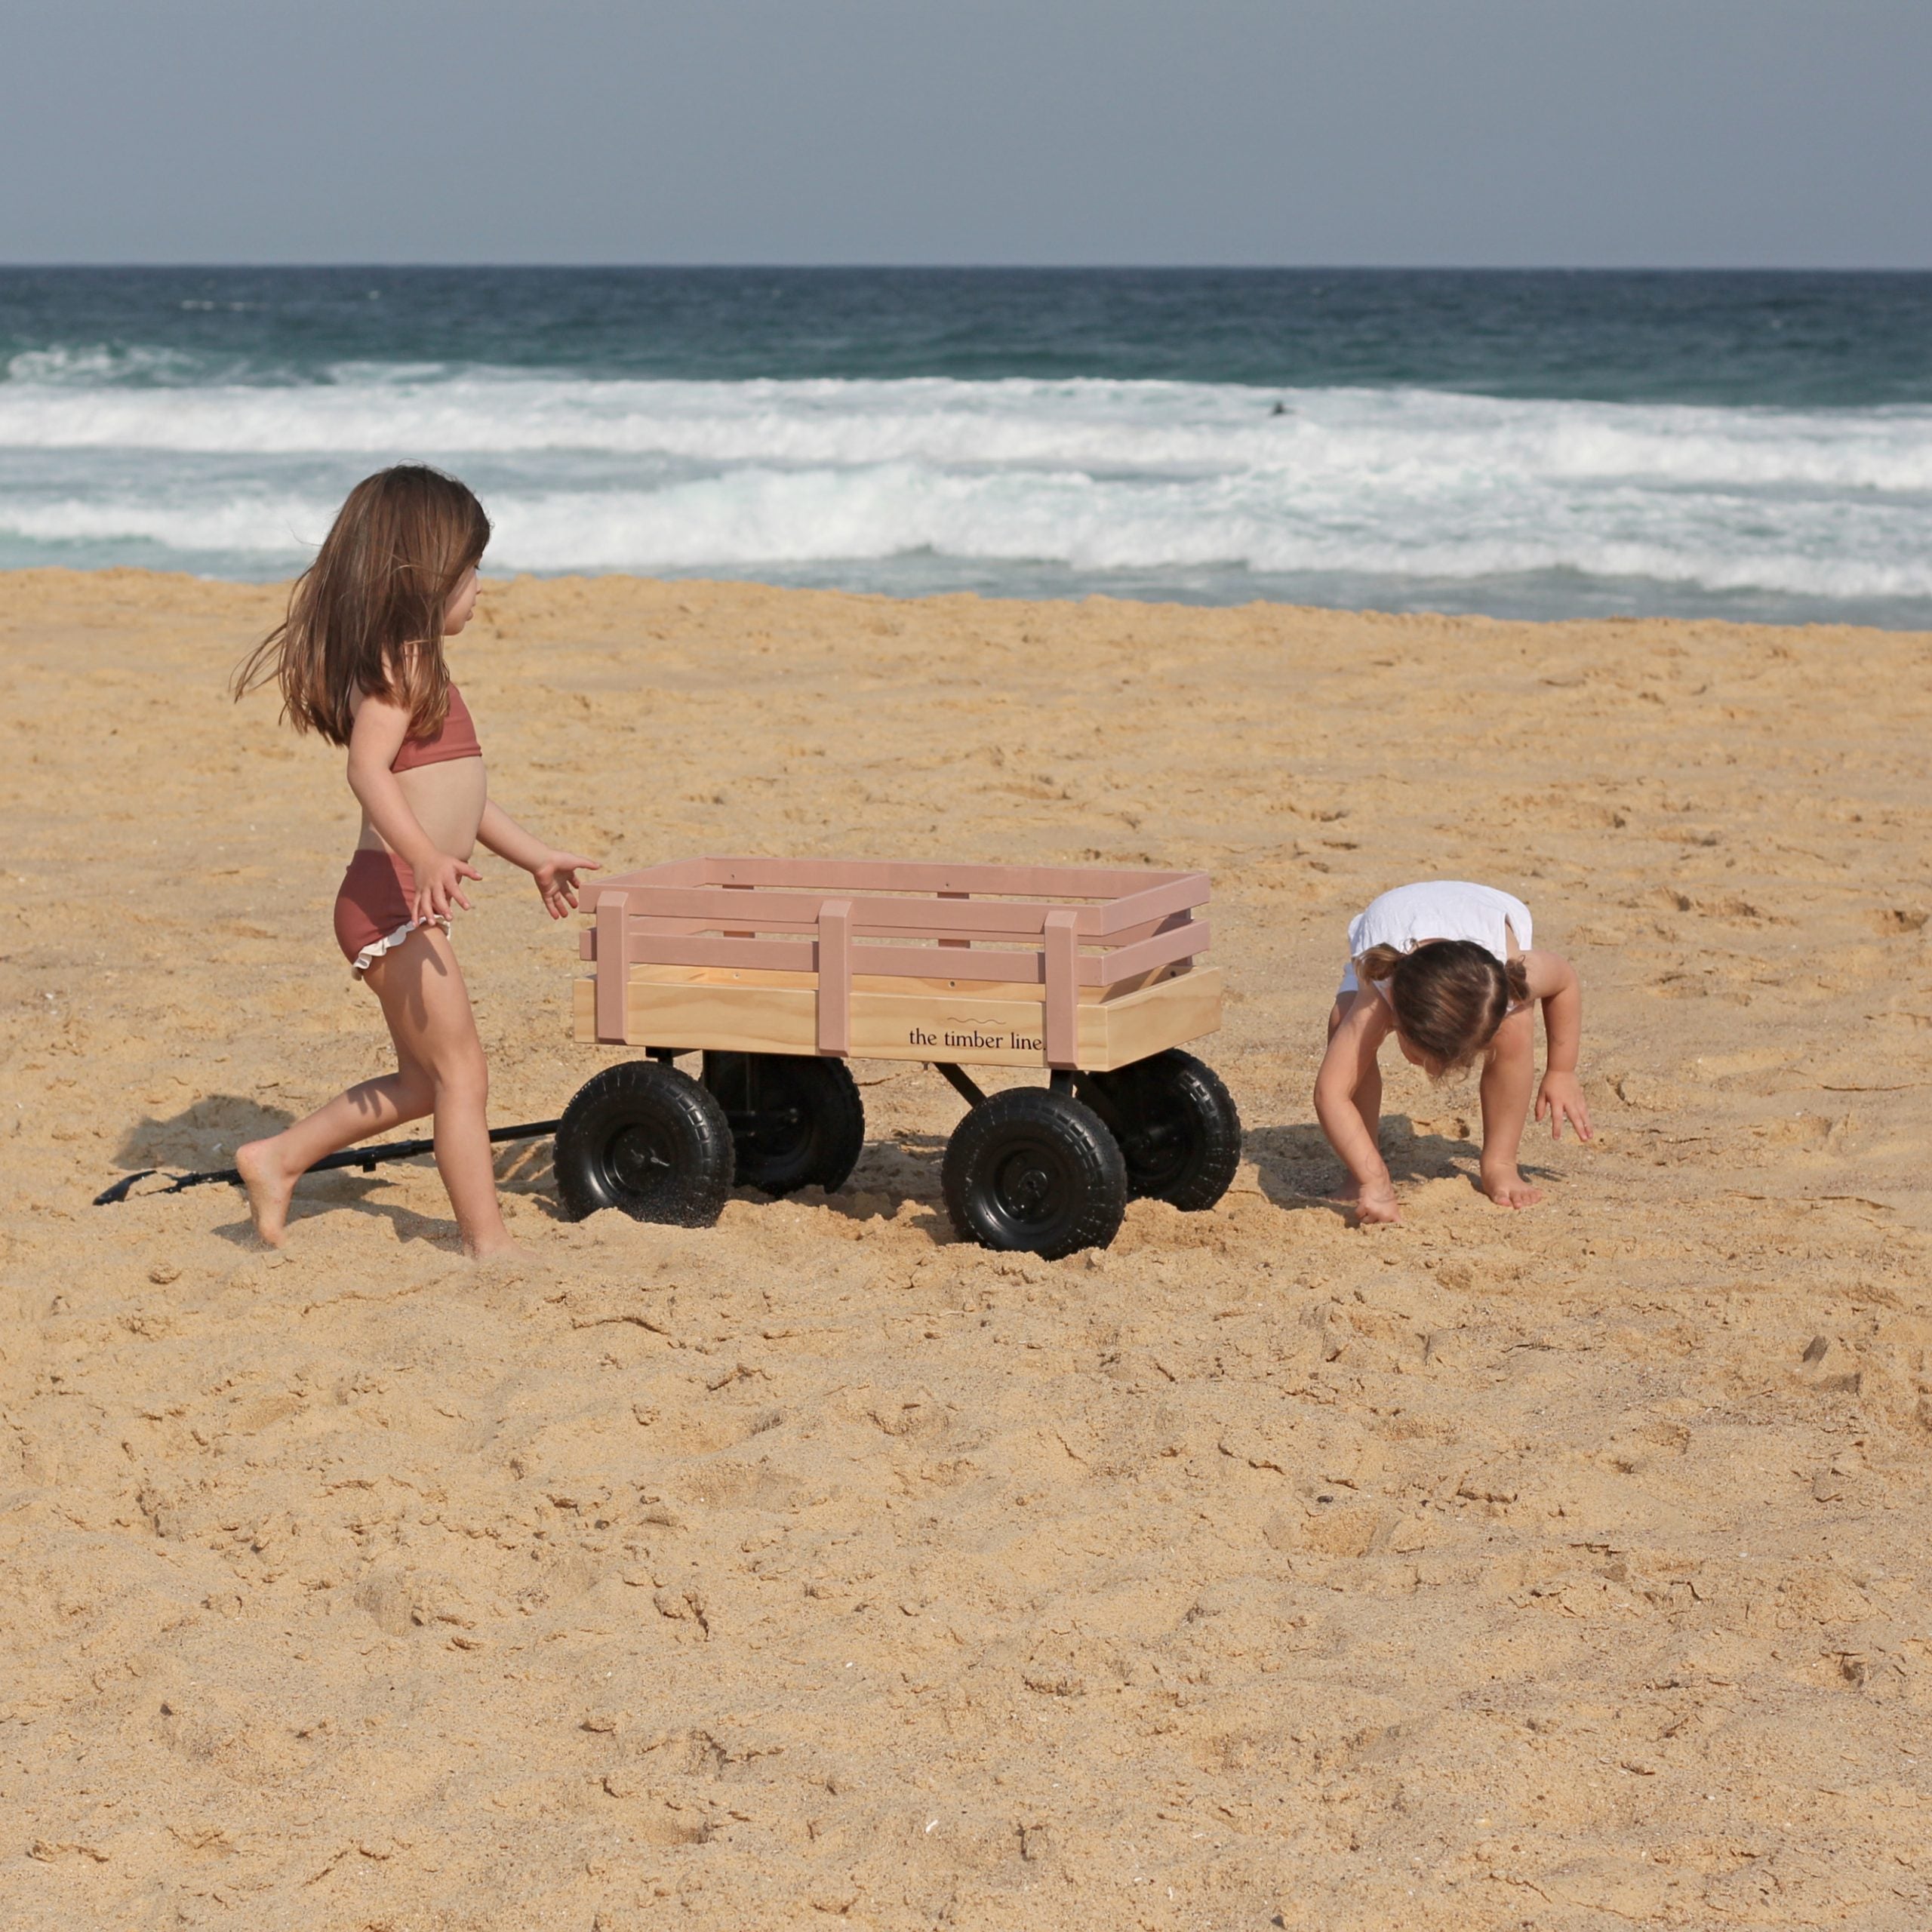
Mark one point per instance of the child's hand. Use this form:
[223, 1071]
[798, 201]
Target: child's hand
[439, 887]
[1374, 1204]
[557, 883]
[1561, 1096]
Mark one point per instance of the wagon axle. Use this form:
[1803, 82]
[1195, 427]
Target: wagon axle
[761, 1122]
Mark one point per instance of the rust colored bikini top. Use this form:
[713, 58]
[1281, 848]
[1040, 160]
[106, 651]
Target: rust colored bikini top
[457, 738]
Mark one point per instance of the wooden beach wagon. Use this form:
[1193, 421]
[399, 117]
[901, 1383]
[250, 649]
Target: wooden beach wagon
[779, 971]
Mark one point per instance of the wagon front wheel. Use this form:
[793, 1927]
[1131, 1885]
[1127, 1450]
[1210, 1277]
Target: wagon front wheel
[647, 1140]
[1034, 1169]
[795, 1122]
[1176, 1126]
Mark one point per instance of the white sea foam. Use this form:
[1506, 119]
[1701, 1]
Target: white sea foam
[1095, 476]
[58, 401]
[92, 365]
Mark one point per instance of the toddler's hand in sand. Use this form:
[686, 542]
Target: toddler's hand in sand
[1376, 1205]
[1507, 1189]
[439, 887]
[1561, 1096]
[557, 881]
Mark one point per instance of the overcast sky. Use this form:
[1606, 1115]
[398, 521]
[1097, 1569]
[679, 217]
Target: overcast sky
[1715, 133]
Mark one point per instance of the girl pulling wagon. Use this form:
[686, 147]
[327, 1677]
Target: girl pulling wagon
[359, 660]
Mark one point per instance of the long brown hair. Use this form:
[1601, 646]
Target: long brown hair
[366, 615]
[1449, 996]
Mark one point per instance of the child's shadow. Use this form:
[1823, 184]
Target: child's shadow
[201, 1136]
[523, 1167]
[1297, 1167]
[205, 1135]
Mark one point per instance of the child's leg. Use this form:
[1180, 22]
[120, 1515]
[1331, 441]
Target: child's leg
[427, 1006]
[270, 1168]
[1507, 1077]
[1368, 1086]
[440, 1070]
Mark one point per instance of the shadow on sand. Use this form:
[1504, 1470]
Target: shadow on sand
[204, 1136]
[1298, 1168]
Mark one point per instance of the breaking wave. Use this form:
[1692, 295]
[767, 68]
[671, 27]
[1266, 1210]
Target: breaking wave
[116, 455]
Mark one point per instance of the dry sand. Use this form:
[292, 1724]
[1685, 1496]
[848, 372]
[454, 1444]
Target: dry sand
[1562, 1569]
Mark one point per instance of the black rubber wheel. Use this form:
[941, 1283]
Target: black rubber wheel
[644, 1138]
[1176, 1125]
[795, 1122]
[1033, 1169]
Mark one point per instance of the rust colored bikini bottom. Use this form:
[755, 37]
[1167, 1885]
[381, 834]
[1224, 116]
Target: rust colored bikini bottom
[372, 907]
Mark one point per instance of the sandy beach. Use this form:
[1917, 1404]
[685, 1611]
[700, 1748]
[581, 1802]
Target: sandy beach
[1564, 1570]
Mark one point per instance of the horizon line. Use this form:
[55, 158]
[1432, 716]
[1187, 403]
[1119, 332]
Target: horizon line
[375, 267]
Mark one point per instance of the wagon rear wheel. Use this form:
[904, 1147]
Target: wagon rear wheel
[1034, 1169]
[1176, 1126]
[795, 1122]
[647, 1140]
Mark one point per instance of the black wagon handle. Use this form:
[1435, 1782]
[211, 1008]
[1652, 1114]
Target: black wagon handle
[365, 1158]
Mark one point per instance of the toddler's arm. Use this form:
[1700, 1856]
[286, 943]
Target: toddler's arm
[555, 871]
[374, 741]
[1553, 980]
[1348, 1064]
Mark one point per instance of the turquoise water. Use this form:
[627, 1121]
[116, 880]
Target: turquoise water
[1754, 446]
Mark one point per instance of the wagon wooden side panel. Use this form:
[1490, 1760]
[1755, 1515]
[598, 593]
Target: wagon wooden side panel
[1079, 967]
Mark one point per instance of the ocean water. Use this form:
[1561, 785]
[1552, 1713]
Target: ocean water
[1755, 446]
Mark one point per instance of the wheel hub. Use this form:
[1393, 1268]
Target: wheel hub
[1027, 1186]
[637, 1158]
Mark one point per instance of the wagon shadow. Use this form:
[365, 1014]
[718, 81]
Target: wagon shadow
[891, 1176]
[1297, 1168]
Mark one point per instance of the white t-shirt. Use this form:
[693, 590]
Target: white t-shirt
[1438, 908]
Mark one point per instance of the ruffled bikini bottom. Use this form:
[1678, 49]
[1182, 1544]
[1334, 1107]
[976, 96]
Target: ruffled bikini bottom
[372, 907]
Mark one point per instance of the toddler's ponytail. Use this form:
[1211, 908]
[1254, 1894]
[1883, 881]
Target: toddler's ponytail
[1377, 965]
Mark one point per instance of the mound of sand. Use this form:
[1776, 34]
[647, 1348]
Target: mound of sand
[1564, 1569]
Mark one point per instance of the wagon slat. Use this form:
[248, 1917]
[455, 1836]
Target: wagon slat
[613, 964]
[1063, 1000]
[910, 875]
[1156, 902]
[835, 977]
[897, 919]
[801, 955]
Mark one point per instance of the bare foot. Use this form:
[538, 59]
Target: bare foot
[269, 1187]
[1368, 1209]
[1507, 1189]
[487, 1246]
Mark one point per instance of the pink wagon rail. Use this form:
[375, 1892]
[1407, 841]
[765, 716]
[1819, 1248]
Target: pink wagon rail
[1063, 927]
